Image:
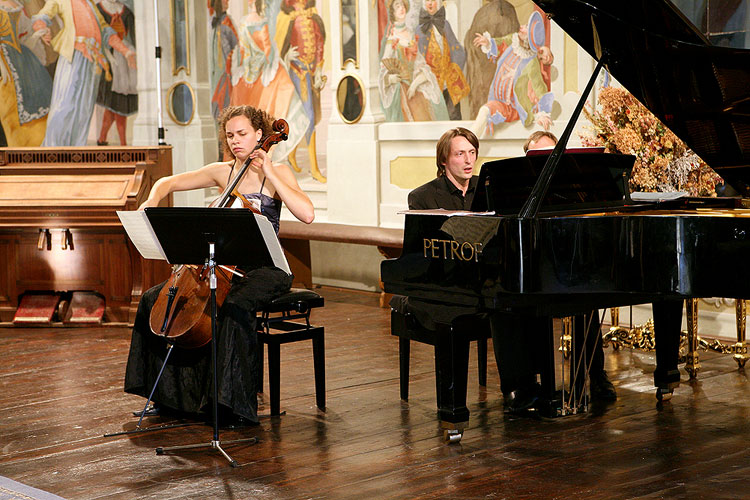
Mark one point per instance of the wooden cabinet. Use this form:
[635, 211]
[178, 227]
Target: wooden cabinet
[59, 229]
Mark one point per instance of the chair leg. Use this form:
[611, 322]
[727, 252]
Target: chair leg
[482, 361]
[319, 363]
[404, 348]
[274, 382]
[261, 357]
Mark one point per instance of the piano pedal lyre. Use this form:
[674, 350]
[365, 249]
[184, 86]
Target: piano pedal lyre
[566, 337]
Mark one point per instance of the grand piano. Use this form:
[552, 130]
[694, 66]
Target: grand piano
[59, 231]
[566, 238]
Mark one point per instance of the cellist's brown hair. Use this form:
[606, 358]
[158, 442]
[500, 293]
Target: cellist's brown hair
[259, 120]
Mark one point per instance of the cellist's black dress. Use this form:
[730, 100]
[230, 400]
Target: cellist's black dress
[185, 385]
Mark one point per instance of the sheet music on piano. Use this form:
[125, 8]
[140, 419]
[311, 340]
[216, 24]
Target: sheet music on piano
[442, 211]
[657, 197]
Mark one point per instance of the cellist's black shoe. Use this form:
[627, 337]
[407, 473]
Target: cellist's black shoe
[151, 411]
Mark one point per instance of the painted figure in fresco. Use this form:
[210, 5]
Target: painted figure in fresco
[408, 88]
[301, 35]
[223, 43]
[444, 55]
[261, 79]
[79, 67]
[118, 97]
[498, 18]
[25, 85]
[518, 90]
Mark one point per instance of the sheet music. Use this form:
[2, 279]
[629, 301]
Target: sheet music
[657, 197]
[272, 242]
[442, 211]
[141, 233]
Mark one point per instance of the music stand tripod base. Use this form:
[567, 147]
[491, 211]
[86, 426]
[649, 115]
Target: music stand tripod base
[213, 444]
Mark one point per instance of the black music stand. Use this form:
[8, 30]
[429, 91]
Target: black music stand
[205, 236]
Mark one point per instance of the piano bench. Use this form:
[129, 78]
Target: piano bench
[276, 325]
[475, 327]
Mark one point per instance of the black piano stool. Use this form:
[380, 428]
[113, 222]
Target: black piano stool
[276, 326]
[467, 328]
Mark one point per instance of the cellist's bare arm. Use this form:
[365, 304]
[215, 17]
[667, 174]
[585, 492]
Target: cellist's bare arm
[287, 188]
[214, 174]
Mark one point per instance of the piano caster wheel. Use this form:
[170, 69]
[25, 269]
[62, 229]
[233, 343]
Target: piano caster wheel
[740, 363]
[452, 436]
[664, 394]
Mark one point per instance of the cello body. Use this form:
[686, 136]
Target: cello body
[184, 318]
[182, 311]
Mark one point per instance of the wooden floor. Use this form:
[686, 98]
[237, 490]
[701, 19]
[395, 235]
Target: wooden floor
[61, 391]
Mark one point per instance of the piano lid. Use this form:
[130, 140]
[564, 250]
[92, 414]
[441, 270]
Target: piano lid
[701, 92]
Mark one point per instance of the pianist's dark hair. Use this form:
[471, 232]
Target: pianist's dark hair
[443, 148]
[259, 120]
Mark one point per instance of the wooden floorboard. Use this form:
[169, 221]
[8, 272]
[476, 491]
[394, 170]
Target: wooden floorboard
[61, 392]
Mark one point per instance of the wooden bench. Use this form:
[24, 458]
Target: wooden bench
[295, 237]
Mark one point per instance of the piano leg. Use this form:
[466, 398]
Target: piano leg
[404, 350]
[740, 348]
[667, 325]
[451, 372]
[549, 405]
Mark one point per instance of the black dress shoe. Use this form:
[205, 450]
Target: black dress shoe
[523, 400]
[601, 388]
[151, 411]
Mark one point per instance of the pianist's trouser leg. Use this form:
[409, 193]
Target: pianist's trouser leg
[513, 339]
[667, 325]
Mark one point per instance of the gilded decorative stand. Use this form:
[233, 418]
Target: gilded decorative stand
[642, 337]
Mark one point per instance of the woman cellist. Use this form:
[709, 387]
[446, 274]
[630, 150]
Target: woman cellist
[185, 384]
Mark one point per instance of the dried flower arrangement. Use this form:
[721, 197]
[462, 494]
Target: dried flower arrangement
[663, 161]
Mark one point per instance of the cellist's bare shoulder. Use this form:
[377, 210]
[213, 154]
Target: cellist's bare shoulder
[218, 171]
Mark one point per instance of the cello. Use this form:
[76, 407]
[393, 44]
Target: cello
[181, 313]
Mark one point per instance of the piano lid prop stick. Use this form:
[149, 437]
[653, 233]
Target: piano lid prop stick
[530, 209]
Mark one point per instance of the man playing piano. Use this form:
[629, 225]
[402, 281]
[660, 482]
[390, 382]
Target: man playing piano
[453, 189]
